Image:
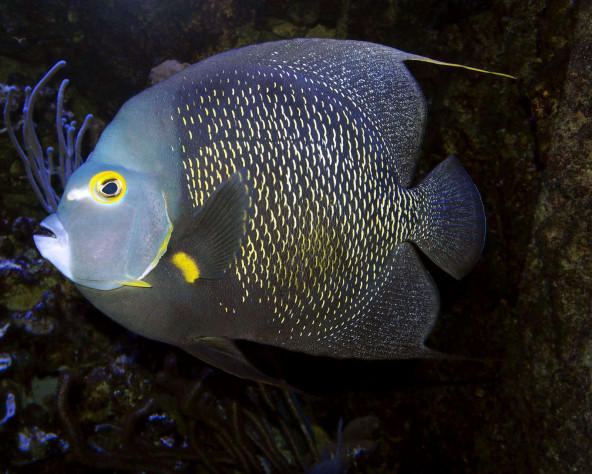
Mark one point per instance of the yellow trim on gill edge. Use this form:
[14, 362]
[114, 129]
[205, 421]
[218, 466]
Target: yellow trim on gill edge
[441, 63]
[135, 283]
[187, 266]
[165, 242]
[138, 282]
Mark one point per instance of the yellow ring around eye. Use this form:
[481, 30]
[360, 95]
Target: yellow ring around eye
[99, 182]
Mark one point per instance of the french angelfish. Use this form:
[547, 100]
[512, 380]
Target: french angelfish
[264, 194]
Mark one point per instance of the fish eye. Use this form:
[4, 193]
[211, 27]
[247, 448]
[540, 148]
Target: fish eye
[108, 187]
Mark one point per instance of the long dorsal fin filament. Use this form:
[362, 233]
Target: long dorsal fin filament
[469, 68]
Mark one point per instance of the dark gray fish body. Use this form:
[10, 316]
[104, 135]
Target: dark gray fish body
[285, 171]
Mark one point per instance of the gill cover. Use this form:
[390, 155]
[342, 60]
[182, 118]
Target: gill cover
[111, 227]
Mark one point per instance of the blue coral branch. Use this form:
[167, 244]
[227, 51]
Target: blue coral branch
[40, 167]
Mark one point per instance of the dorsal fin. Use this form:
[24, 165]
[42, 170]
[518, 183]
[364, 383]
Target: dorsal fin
[413, 57]
[370, 77]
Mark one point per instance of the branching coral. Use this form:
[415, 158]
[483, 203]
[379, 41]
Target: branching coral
[40, 167]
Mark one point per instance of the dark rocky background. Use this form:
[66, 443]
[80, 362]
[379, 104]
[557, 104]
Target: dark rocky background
[79, 392]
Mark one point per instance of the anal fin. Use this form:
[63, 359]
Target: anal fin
[401, 315]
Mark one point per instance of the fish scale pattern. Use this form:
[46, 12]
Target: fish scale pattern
[325, 217]
[264, 195]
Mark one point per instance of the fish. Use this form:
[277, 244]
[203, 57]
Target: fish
[265, 194]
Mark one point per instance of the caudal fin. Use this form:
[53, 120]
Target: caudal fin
[452, 229]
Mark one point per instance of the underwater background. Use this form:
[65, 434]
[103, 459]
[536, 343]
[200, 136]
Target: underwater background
[77, 391]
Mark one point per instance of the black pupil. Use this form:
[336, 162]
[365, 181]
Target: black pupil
[110, 188]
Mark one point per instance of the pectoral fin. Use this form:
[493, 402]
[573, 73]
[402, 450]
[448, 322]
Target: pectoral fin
[213, 236]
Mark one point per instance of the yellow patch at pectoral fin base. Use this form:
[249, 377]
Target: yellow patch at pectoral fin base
[187, 266]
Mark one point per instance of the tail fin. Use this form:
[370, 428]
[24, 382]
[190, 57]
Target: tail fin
[452, 229]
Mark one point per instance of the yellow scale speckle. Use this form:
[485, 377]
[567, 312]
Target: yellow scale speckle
[318, 208]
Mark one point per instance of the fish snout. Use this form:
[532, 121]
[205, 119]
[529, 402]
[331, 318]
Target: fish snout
[56, 247]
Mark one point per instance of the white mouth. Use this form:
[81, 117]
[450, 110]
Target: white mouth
[55, 249]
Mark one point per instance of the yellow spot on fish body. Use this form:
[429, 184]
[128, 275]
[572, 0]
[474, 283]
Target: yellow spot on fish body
[187, 266]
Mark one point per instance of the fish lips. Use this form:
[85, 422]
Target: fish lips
[56, 247]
